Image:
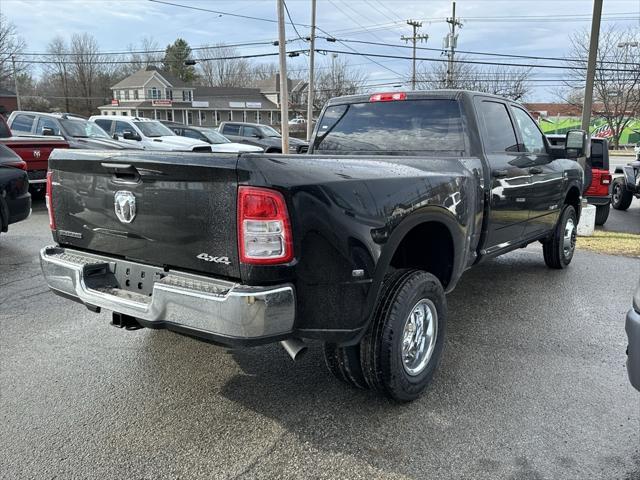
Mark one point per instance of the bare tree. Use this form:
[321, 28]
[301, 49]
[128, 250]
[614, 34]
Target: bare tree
[10, 44]
[87, 69]
[335, 79]
[219, 69]
[58, 69]
[146, 53]
[262, 71]
[510, 82]
[616, 87]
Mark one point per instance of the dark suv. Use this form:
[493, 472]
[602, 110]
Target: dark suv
[262, 136]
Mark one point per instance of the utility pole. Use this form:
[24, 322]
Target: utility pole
[591, 65]
[451, 42]
[312, 45]
[284, 88]
[414, 39]
[15, 80]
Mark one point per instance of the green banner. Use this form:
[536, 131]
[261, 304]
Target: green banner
[598, 128]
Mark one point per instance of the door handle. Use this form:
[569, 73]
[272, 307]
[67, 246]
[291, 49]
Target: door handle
[123, 173]
[535, 170]
[497, 173]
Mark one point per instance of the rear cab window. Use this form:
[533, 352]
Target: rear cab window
[498, 132]
[44, 122]
[230, 129]
[22, 123]
[104, 124]
[430, 126]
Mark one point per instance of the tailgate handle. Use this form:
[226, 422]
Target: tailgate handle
[123, 173]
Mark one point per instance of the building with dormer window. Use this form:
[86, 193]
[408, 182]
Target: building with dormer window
[154, 93]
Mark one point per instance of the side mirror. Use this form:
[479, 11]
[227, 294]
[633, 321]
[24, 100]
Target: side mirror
[256, 135]
[127, 135]
[48, 131]
[116, 136]
[575, 143]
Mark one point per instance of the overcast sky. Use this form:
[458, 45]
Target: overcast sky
[536, 27]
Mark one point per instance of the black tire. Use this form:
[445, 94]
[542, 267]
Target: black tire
[553, 249]
[344, 364]
[602, 213]
[621, 198]
[381, 349]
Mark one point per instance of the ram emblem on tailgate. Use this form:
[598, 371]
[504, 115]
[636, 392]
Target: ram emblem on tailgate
[125, 206]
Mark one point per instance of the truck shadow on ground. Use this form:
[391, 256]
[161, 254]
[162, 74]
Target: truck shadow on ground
[319, 410]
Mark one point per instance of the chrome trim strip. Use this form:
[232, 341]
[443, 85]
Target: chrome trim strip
[237, 311]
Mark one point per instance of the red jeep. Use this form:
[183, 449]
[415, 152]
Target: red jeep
[35, 151]
[597, 179]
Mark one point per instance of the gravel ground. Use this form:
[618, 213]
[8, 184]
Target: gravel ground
[533, 386]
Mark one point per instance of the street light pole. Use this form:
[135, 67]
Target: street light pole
[312, 45]
[15, 81]
[284, 90]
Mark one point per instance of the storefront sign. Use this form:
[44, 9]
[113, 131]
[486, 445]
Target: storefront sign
[115, 102]
[161, 103]
[254, 104]
[199, 104]
[236, 104]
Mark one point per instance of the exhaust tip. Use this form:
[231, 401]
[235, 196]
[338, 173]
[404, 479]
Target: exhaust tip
[294, 347]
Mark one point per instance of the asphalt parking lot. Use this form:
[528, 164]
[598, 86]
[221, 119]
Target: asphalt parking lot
[533, 386]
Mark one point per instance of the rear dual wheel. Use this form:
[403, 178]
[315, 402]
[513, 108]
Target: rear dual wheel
[401, 349]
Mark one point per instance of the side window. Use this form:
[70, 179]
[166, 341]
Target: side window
[104, 124]
[44, 122]
[191, 134]
[597, 153]
[22, 123]
[499, 133]
[230, 129]
[121, 127]
[531, 134]
[250, 132]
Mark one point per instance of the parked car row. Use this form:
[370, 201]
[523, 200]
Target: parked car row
[117, 132]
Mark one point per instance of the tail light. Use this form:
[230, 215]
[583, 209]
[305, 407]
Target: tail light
[388, 97]
[47, 199]
[21, 164]
[264, 230]
[605, 179]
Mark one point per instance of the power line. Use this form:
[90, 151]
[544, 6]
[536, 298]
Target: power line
[561, 67]
[139, 52]
[490, 54]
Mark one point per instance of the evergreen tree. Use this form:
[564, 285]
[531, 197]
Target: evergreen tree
[174, 57]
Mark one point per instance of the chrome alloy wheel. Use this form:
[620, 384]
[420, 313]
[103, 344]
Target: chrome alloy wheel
[569, 240]
[419, 336]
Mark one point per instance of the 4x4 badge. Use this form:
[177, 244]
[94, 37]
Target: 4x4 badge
[125, 206]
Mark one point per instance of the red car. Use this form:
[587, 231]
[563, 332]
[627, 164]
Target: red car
[34, 151]
[597, 178]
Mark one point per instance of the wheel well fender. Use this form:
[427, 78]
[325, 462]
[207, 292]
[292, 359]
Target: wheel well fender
[573, 198]
[446, 235]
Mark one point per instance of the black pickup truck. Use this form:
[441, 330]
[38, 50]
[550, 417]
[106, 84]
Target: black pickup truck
[354, 244]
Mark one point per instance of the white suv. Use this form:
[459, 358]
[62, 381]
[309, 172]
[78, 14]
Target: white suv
[150, 134]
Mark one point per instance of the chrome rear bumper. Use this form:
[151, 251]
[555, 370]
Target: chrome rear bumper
[201, 306]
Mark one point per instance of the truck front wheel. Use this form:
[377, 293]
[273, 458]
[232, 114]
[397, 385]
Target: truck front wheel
[403, 346]
[558, 249]
[602, 213]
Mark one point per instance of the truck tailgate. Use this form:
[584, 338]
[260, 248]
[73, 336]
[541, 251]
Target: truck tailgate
[176, 210]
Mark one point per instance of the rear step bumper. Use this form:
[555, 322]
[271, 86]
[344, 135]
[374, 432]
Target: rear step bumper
[207, 308]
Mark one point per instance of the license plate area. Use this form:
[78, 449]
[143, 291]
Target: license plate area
[123, 275]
